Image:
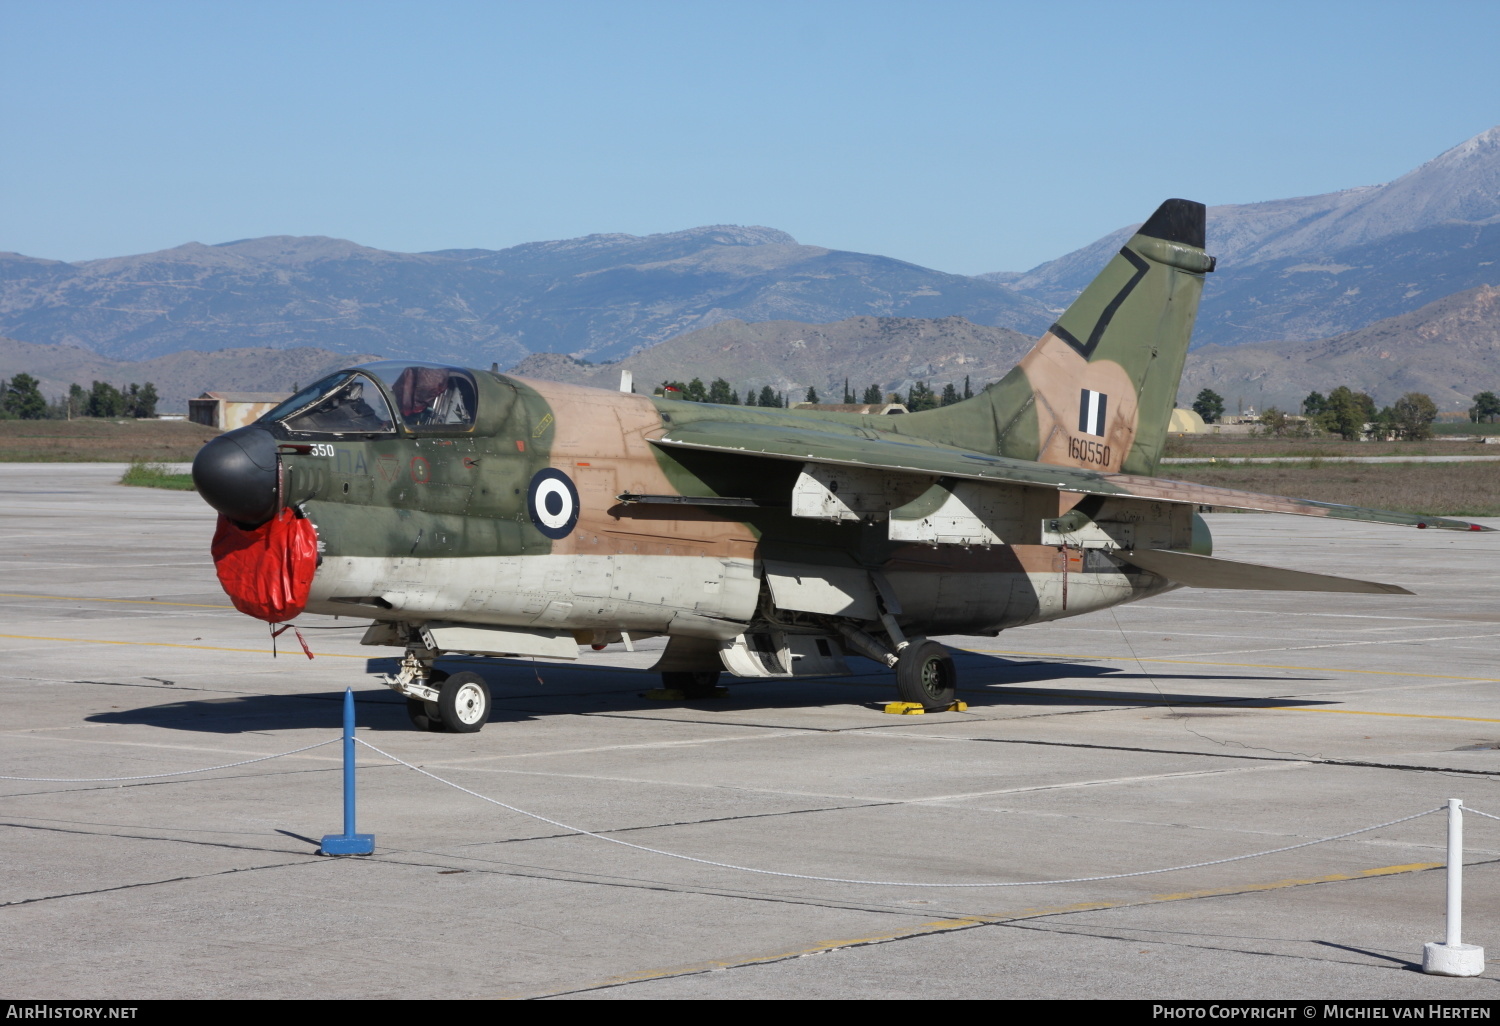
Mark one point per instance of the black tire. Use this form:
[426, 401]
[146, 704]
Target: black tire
[925, 675]
[424, 715]
[464, 703]
[693, 683]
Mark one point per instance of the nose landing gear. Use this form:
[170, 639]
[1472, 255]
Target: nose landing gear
[435, 701]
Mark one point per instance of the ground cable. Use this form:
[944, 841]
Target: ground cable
[175, 773]
[887, 883]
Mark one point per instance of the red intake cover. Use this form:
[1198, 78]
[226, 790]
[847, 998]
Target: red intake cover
[267, 571]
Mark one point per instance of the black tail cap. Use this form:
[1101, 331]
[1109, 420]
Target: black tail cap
[1178, 220]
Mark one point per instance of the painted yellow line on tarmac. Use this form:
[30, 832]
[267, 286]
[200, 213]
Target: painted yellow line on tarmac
[1360, 712]
[1326, 669]
[941, 926]
[1363, 874]
[164, 644]
[82, 598]
[1090, 697]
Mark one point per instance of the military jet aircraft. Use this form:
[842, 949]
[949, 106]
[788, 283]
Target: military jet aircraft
[469, 511]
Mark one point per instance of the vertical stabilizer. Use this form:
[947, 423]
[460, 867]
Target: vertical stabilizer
[1098, 389]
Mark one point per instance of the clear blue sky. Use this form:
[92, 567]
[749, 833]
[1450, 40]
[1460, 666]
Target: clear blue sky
[963, 136]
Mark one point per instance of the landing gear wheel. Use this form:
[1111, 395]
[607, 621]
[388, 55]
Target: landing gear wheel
[693, 683]
[925, 675]
[424, 715]
[464, 703]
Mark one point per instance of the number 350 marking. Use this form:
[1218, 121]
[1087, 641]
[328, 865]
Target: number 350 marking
[321, 450]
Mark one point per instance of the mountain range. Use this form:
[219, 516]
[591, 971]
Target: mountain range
[892, 352]
[1316, 266]
[1449, 349]
[601, 296]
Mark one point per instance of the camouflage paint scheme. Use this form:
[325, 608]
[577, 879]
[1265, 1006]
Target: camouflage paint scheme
[1022, 504]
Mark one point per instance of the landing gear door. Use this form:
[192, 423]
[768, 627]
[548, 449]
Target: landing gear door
[779, 654]
[831, 590]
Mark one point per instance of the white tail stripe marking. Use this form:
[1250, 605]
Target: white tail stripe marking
[1092, 407]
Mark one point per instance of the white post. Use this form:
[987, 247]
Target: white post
[1453, 957]
[1455, 872]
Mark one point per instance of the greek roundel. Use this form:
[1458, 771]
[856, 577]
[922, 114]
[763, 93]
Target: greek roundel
[552, 502]
[1091, 410]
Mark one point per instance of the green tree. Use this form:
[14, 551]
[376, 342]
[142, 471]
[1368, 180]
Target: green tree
[749, 397]
[1314, 405]
[720, 392]
[78, 400]
[919, 397]
[950, 395]
[22, 398]
[1485, 409]
[968, 392]
[1346, 413]
[105, 400]
[1273, 420]
[145, 400]
[1412, 416]
[812, 395]
[139, 402]
[695, 392]
[1209, 405]
[848, 395]
[769, 398]
[873, 396]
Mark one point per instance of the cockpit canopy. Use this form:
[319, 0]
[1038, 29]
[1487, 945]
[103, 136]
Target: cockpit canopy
[427, 397]
[428, 394]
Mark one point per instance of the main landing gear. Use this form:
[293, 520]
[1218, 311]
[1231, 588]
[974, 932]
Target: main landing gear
[436, 701]
[925, 675]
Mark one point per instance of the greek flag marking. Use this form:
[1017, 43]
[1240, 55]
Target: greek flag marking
[1091, 409]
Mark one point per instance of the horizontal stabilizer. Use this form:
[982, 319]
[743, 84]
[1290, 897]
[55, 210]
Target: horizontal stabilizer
[1210, 572]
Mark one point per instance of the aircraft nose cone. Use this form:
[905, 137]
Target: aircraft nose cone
[236, 474]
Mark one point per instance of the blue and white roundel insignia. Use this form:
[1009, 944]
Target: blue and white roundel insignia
[552, 502]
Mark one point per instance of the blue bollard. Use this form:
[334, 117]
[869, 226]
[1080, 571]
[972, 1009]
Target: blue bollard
[349, 842]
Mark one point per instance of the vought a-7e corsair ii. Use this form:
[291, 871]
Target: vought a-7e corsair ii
[469, 511]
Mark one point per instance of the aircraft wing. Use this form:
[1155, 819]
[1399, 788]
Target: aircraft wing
[909, 455]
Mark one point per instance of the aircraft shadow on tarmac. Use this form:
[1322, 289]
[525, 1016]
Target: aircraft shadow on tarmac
[526, 691]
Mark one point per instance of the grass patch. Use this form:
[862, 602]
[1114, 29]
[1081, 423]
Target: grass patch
[101, 440]
[1464, 427]
[1436, 489]
[154, 475]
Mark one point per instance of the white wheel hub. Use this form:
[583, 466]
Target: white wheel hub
[469, 703]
